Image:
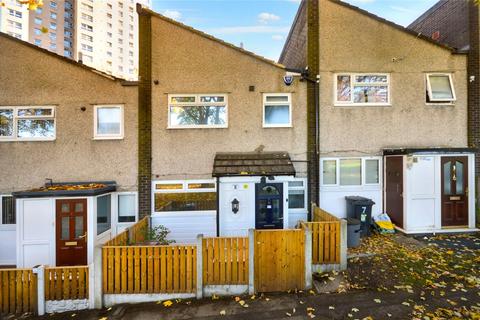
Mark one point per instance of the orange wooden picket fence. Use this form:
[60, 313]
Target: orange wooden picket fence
[18, 291]
[325, 236]
[66, 283]
[225, 261]
[131, 235]
[149, 269]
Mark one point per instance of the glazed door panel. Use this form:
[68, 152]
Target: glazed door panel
[71, 232]
[454, 191]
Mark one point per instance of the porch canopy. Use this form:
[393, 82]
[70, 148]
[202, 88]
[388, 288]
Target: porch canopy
[69, 189]
[253, 164]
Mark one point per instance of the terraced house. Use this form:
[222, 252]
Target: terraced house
[392, 115]
[61, 121]
[225, 133]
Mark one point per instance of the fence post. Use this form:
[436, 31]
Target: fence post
[200, 266]
[308, 257]
[40, 272]
[251, 261]
[343, 244]
[95, 290]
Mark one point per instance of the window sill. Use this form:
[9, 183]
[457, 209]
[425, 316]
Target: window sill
[277, 126]
[361, 105]
[197, 127]
[108, 138]
[440, 104]
[26, 140]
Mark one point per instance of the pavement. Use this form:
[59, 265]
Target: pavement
[359, 304]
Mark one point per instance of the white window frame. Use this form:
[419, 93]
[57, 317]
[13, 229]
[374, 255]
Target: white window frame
[362, 172]
[280, 103]
[197, 103]
[429, 89]
[352, 84]
[96, 135]
[184, 189]
[16, 118]
[126, 193]
[304, 188]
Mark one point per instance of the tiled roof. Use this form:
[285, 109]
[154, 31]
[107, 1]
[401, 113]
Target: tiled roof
[253, 164]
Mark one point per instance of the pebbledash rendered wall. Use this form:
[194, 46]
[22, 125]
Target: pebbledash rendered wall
[185, 62]
[31, 76]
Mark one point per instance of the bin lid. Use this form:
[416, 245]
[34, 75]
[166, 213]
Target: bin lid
[359, 200]
[352, 221]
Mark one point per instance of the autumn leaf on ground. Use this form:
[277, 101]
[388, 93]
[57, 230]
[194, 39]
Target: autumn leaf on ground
[223, 312]
[377, 300]
[167, 303]
[241, 302]
[331, 307]
[215, 297]
[237, 299]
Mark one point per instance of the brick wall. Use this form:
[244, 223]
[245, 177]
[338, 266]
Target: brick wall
[294, 53]
[474, 86]
[313, 57]
[145, 116]
[450, 19]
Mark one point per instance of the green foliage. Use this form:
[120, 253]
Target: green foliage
[158, 234]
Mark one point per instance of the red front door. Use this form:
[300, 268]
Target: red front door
[454, 191]
[71, 232]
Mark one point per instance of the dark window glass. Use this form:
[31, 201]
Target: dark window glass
[103, 213]
[8, 210]
[190, 201]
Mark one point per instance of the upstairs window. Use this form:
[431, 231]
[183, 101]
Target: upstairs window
[277, 110]
[198, 111]
[440, 88]
[27, 123]
[362, 89]
[108, 122]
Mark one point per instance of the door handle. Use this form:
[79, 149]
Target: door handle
[84, 236]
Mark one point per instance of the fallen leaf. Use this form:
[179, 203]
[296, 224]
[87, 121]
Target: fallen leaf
[377, 300]
[223, 312]
[167, 303]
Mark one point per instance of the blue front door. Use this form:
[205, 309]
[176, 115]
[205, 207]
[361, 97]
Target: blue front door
[269, 206]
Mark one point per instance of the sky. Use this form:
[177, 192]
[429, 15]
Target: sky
[263, 25]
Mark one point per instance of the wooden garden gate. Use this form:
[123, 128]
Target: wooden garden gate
[279, 260]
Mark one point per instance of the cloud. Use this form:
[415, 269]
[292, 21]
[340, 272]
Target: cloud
[249, 29]
[277, 37]
[266, 17]
[173, 14]
[294, 1]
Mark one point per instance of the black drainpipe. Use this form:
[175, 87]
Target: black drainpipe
[218, 206]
